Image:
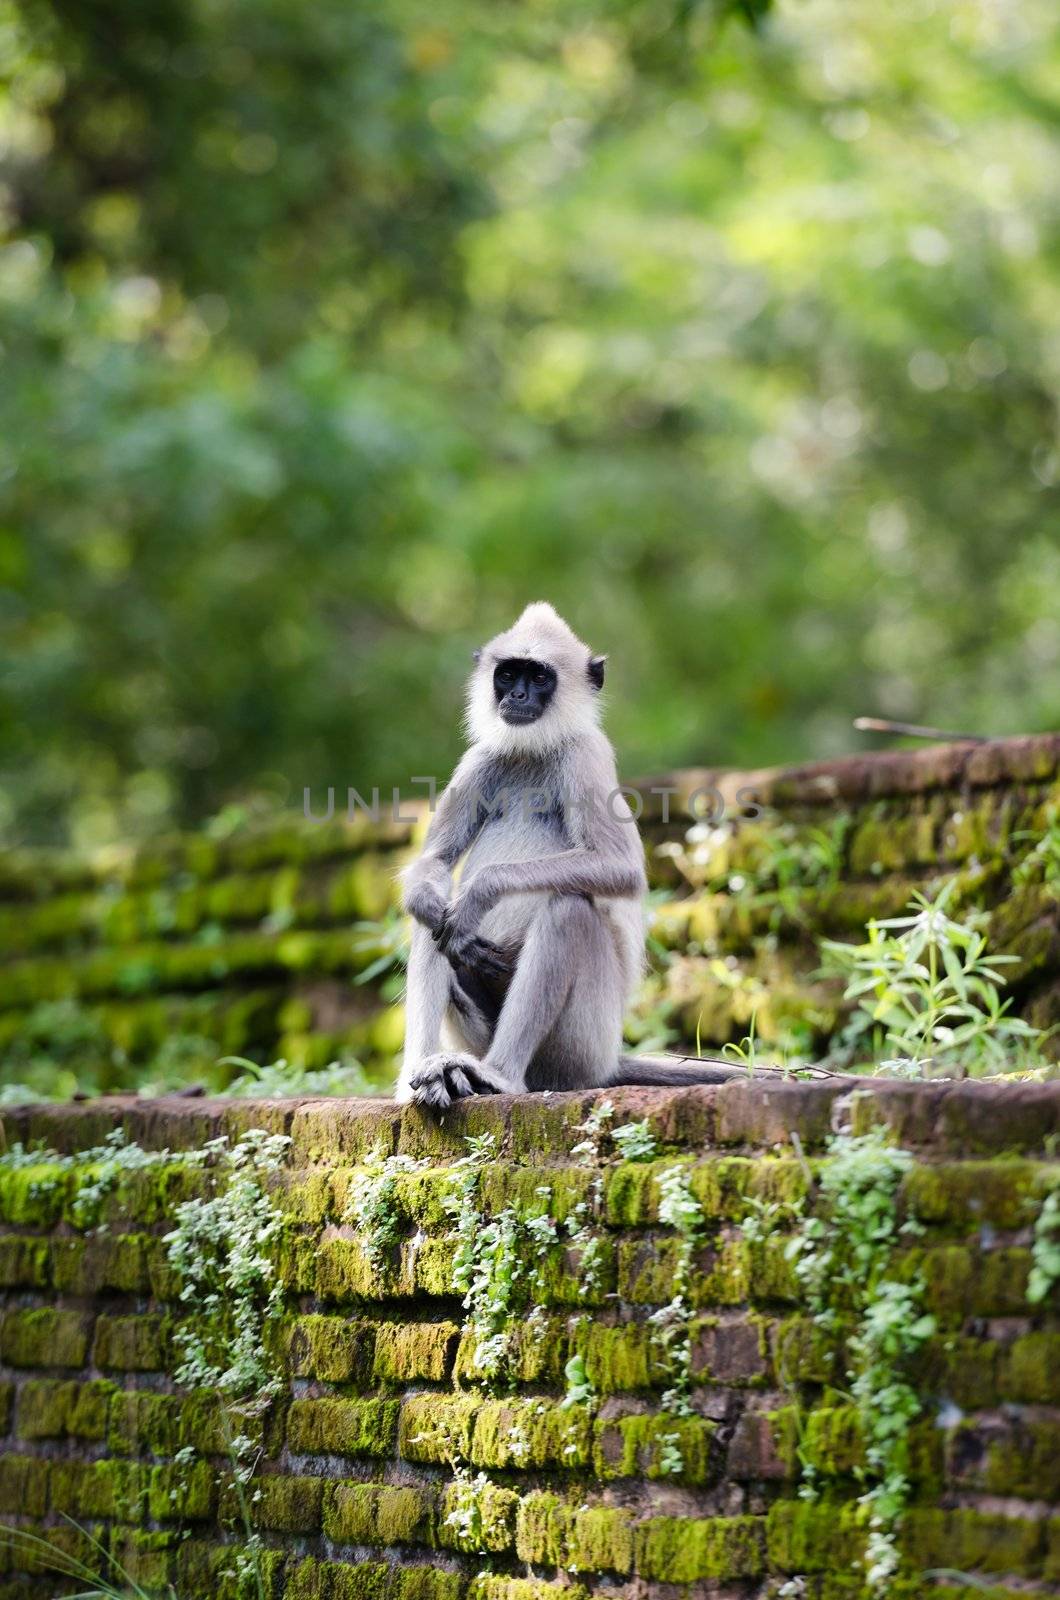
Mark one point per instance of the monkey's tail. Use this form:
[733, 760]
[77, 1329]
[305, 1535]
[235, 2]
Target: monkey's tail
[671, 1071]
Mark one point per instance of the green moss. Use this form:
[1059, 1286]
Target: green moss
[626, 1447]
[131, 1344]
[286, 1504]
[503, 1185]
[45, 1338]
[433, 1267]
[961, 1282]
[145, 1557]
[1030, 1369]
[682, 1549]
[531, 1433]
[413, 1351]
[25, 1263]
[487, 1587]
[619, 1359]
[50, 1408]
[332, 1348]
[33, 1196]
[343, 1427]
[560, 1533]
[344, 1272]
[118, 1261]
[966, 1194]
[366, 1513]
[23, 1485]
[832, 1441]
[437, 1427]
[189, 1491]
[973, 1541]
[1022, 1461]
[803, 1537]
[97, 1489]
[477, 1517]
[537, 1353]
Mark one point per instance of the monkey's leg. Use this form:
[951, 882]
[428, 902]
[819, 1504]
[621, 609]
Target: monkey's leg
[426, 999]
[536, 996]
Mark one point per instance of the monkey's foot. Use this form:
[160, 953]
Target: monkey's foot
[453, 1075]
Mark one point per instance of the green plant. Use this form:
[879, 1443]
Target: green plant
[843, 1254]
[671, 1324]
[283, 1078]
[635, 1141]
[1045, 1251]
[371, 1205]
[99, 1586]
[1042, 861]
[926, 992]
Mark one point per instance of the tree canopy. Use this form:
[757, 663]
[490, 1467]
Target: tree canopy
[333, 334]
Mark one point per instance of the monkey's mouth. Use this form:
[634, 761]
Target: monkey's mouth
[518, 714]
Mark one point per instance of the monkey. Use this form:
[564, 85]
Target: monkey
[519, 980]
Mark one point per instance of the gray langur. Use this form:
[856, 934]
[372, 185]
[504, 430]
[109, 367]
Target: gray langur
[520, 979]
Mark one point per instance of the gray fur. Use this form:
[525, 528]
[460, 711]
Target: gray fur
[520, 979]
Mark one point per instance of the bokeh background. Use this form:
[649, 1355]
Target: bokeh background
[331, 334]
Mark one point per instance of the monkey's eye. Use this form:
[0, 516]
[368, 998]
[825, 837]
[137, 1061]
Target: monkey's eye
[504, 675]
[540, 677]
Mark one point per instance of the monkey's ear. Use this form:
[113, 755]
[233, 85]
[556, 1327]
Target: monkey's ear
[596, 671]
[476, 656]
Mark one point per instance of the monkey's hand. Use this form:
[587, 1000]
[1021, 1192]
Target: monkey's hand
[463, 947]
[427, 906]
[453, 1075]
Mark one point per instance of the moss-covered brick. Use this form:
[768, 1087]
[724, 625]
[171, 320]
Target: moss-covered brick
[432, 1266]
[683, 1549]
[961, 1282]
[619, 1359]
[531, 1433]
[142, 1423]
[23, 1485]
[963, 1195]
[477, 1516]
[369, 1580]
[368, 1513]
[131, 1344]
[437, 1427]
[45, 1338]
[557, 1532]
[832, 1441]
[306, 1197]
[561, 1277]
[725, 1272]
[337, 1349]
[344, 1273]
[803, 1538]
[532, 1190]
[1018, 1456]
[145, 1556]
[50, 1408]
[974, 1541]
[486, 1586]
[324, 1133]
[287, 1504]
[33, 1195]
[655, 1446]
[296, 1262]
[342, 1427]
[211, 1569]
[25, 1262]
[1030, 1369]
[182, 1490]
[412, 1351]
[803, 1351]
[111, 1261]
[82, 1489]
[537, 1352]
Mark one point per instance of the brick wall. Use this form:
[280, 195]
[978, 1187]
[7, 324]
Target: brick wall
[378, 1427]
[242, 944]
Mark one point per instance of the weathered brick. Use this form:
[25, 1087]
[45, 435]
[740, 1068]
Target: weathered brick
[287, 1504]
[342, 1427]
[23, 1485]
[131, 1344]
[50, 1408]
[413, 1351]
[45, 1338]
[367, 1513]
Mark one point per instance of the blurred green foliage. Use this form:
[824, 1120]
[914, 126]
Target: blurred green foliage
[330, 335]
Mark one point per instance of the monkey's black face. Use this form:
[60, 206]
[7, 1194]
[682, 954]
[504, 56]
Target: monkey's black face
[522, 689]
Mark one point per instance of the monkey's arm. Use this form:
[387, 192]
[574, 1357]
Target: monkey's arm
[427, 884]
[606, 858]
